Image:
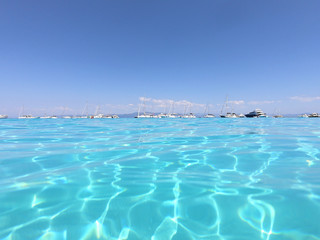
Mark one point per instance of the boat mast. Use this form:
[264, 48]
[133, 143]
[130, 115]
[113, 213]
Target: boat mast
[97, 110]
[85, 110]
[144, 106]
[21, 111]
[206, 110]
[225, 105]
[139, 109]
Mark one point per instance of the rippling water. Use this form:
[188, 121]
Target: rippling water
[160, 179]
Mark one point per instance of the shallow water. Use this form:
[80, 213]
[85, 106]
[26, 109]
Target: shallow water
[160, 179]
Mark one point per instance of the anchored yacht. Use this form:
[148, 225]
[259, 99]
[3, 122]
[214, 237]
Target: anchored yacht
[173, 115]
[190, 115]
[3, 116]
[256, 113]
[314, 115]
[225, 106]
[209, 115]
[27, 117]
[229, 115]
[47, 117]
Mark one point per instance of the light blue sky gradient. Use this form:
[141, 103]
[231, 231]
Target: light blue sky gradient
[56, 54]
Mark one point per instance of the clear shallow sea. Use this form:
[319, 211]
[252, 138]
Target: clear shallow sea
[160, 179]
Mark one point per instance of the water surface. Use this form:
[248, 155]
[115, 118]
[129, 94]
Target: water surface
[160, 179]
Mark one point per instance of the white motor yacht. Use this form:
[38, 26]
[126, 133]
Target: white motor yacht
[314, 115]
[3, 116]
[256, 113]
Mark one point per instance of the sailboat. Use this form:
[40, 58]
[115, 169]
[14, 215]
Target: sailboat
[207, 114]
[228, 114]
[171, 113]
[188, 115]
[97, 114]
[67, 116]
[84, 113]
[28, 116]
[144, 114]
[277, 114]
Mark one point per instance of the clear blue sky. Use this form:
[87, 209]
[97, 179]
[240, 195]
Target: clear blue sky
[65, 53]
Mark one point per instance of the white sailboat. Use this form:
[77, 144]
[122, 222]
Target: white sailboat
[144, 114]
[23, 116]
[187, 112]
[207, 114]
[231, 114]
[67, 116]
[84, 113]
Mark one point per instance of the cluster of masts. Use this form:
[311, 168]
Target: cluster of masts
[68, 117]
[83, 115]
[257, 113]
[188, 114]
[225, 113]
[170, 114]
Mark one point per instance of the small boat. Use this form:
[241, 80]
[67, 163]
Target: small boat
[173, 115]
[187, 108]
[65, 116]
[144, 114]
[277, 114]
[3, 116]
[162, 115]
[27, 117]
[49, 117]
[100, 115]
[24, 116]
[190, 115]
[225, 106]
[304, 115]
[229, 115]
[209, 115]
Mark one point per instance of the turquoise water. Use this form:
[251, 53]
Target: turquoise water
[160, 179]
